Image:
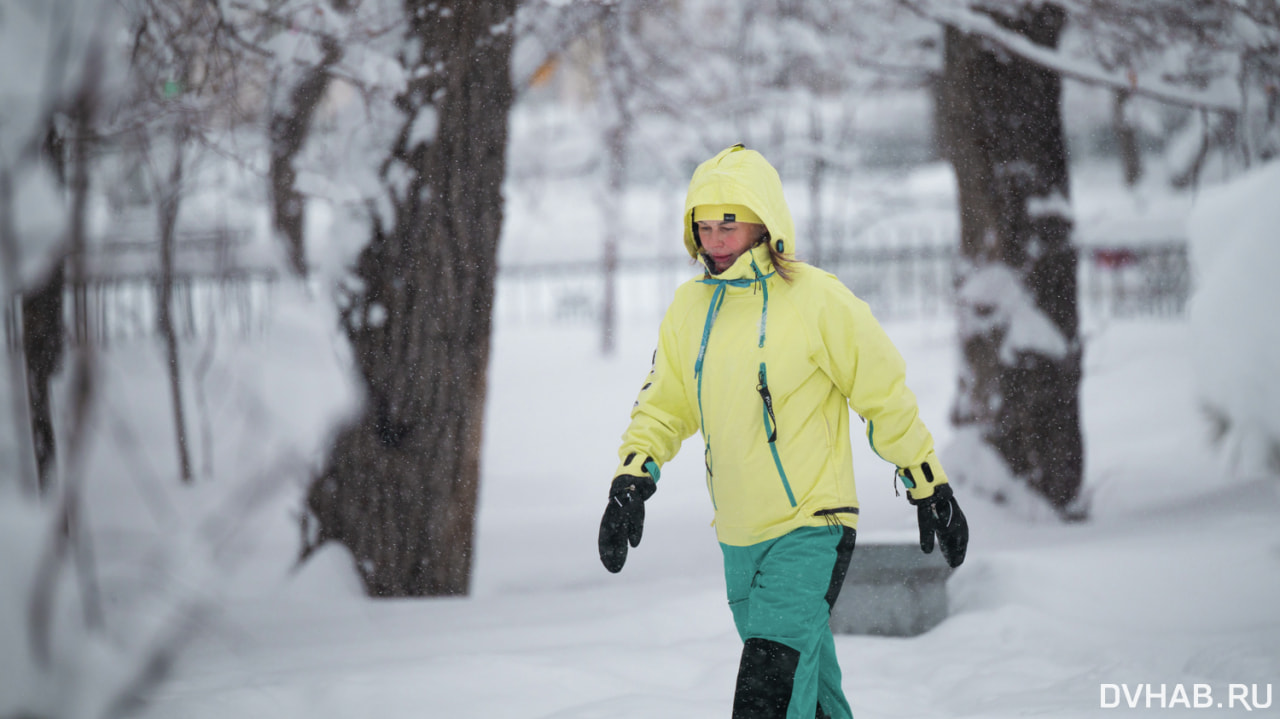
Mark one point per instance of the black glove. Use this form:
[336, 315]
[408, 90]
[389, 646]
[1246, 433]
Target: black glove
[623, 520]
[940, 514]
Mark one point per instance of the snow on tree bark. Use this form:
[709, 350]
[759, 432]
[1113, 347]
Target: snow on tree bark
[290, 127]
[1020, 381]
[399, 488]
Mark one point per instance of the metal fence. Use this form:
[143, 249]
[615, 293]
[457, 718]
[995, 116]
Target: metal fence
[899, 282]
[111, 310]
[1148, 280]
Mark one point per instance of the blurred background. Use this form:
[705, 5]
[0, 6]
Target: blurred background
[312, 301]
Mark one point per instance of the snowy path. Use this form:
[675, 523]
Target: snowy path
[1181, 596]
[1175, 581]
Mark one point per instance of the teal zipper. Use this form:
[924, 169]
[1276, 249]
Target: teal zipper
[713, 309]
[771, 432]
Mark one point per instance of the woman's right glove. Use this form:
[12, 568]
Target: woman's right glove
[623, 520]
[940, 514]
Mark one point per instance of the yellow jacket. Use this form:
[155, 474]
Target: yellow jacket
[747, 357]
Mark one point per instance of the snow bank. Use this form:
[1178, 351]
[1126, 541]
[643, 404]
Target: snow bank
[1235, 258]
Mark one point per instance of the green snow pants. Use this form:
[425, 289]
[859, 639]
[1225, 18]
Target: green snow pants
[781, 593]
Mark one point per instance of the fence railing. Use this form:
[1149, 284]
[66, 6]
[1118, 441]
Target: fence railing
[115, 309]
[1145, 280]
[905, 282]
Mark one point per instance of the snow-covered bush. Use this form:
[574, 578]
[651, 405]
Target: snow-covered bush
[109, 570]
[1236, 259]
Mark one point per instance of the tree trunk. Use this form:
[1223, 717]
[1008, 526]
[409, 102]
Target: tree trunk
[42, 347]
[42, 336]
[616, 135]
[1126, 137]
[290, 126]
[399, 489]
[169, 196]
[1020, 383]
[614, 210]
[817, 177]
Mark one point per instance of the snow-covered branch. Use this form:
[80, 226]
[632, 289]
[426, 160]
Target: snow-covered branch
[1223, 98]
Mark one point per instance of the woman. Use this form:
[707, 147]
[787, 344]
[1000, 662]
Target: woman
[765, 355]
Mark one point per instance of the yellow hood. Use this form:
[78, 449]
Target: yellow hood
[738, 176]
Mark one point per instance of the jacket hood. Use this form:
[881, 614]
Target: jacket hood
[738, 176]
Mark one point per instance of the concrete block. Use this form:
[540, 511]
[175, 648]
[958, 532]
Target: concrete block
[892, 589]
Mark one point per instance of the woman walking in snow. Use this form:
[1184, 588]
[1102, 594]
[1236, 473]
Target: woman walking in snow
[764, 355]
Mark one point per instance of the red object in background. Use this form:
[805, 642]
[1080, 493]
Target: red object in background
[1114, 258]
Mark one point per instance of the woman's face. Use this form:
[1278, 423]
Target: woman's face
[724, 242]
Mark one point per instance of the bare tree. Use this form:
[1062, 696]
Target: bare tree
[180, 90]
[224, 61]
[615, 80]
[168, 189]
[622, 67]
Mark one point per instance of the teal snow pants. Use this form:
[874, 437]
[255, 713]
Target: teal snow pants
[781, 593]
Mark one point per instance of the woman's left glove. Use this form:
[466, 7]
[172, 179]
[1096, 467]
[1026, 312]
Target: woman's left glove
[940, 514]
[623, 521]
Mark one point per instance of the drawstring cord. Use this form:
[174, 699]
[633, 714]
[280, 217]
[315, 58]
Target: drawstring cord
[717, 299]
[713, 310]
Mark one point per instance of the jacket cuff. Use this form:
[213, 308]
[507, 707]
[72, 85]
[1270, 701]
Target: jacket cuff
[635, 464]
[922, 479]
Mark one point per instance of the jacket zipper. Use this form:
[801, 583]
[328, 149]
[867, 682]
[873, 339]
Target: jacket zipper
[771, 432]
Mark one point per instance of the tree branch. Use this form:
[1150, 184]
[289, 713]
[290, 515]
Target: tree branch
[974, 23]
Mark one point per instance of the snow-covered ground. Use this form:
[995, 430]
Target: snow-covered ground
[1173, 582]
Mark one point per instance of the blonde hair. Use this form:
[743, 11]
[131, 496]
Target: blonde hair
[782, 263]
